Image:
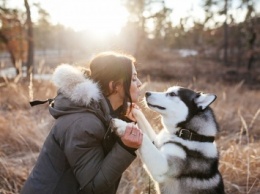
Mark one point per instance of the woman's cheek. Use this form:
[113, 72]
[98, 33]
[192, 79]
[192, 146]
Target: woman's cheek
[135, 96]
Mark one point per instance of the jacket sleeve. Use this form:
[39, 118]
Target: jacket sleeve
[94, 171]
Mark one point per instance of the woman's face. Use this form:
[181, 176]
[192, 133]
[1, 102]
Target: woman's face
[134, 91]
[135, 85]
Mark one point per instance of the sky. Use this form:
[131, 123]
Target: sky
[99, 16]
[109, 16]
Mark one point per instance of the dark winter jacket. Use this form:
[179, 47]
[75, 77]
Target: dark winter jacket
[75, 158]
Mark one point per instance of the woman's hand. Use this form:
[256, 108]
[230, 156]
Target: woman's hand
[132, 137]
[129, 113]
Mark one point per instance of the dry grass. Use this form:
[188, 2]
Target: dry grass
[21, 133]
[23, 129]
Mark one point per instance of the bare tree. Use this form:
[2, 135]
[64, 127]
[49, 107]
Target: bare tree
[250, 30]
[225, 28]
[11, 35]
[30, 54]
[141, 13]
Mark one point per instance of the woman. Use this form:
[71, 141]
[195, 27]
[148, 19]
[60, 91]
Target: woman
[81, 155]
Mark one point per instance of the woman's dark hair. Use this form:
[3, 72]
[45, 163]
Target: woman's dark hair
[113, 66]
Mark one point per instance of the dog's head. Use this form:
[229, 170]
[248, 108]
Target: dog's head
[183, 108]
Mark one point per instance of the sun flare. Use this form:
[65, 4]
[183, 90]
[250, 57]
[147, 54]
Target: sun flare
[100, 17]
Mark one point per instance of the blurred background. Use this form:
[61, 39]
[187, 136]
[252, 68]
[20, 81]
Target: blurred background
[206, 45]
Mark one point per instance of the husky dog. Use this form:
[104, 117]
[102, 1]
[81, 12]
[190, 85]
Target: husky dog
[183, 157]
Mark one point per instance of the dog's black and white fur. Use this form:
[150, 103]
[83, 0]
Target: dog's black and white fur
[183, 157]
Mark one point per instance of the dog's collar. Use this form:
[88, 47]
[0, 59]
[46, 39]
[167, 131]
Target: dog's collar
[189, 135]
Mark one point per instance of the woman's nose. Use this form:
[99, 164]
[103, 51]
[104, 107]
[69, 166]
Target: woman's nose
[139, 83]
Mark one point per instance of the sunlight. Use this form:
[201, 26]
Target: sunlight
[99, 17]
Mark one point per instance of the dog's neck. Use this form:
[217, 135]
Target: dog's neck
[195, 124]
[169, 126]
[187, 134]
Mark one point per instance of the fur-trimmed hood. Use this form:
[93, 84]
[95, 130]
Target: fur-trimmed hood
[74, 85]
[75, 91]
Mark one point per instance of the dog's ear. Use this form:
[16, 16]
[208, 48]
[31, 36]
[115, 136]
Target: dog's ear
[204, 100]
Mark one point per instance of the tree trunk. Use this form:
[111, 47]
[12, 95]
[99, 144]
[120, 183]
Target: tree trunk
[226, 35]
[251, 41]
[30, 52]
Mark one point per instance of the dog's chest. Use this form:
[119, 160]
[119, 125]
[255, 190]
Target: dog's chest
[163, 137]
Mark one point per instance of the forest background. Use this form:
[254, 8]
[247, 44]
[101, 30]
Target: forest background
[218, 53]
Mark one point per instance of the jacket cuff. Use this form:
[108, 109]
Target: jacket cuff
[130, 150]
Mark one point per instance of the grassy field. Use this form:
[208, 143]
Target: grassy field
[237, 109]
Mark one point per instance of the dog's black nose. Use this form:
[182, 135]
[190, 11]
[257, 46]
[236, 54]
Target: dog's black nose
[147, 94]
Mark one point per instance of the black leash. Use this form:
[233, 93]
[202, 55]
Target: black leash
[37, 102]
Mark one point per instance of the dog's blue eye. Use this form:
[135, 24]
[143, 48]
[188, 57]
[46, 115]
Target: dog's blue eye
[172, 94]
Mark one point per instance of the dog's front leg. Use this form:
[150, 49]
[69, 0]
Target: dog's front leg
[143, 124]
[154, 160]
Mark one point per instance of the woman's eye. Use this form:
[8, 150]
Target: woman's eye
[172, 94]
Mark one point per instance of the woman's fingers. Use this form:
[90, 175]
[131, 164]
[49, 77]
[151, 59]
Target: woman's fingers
[133, 137]
[135, 106]
[130, 115]
[129, 112]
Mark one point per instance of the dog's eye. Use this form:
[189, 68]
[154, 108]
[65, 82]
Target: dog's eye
[172, 94]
